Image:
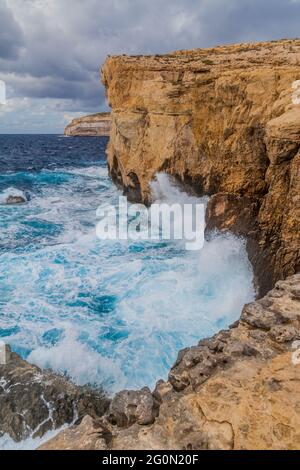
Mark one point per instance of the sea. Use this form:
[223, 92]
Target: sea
[110, 313]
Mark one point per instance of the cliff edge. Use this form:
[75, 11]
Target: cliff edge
[225, 121]
[93, 125]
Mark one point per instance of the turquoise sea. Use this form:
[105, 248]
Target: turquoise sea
[110, 313]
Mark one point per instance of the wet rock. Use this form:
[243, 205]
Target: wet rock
[129, 407]
[12, 196]
[231, 212]
[34, 401]
[15, 200]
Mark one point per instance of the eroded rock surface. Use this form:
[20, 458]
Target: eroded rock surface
[237, 390]
[227, 122]
[33, 401]
[93, 125]
[129, 407]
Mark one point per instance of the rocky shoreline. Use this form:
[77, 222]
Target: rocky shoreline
[35, 401]
[223, 121]
[93, 125]
[237, 390]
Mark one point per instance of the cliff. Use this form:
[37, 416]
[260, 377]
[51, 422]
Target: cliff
[93, 125]
[225, 121]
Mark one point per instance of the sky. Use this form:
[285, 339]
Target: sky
[51, 50]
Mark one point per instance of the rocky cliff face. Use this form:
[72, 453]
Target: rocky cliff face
[93, 125]
[227, 122]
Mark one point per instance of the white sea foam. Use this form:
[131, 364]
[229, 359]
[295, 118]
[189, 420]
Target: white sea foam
[77, 360]
[7, 443]
[165, 188]
[11, 192]
[124, 309]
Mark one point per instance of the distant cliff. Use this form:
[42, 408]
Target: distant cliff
[225, 121]
[93, 125]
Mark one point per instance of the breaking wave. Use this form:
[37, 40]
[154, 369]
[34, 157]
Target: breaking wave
[110, 313]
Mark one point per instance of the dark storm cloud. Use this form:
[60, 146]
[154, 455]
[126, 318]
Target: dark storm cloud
[62, 43]
[11, 37]
[251, 20]
[67, 42]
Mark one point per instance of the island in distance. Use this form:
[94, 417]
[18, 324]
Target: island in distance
[92, 125]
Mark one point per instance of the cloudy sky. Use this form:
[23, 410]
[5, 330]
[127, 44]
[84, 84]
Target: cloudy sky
[51, 50]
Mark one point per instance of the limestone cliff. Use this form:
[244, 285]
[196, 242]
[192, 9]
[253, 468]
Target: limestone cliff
[227, 122]
[93, 125]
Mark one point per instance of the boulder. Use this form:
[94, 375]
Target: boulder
[130, 406]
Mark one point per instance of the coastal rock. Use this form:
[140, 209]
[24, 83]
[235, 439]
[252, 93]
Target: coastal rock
[34, 401]
[92, 125]
[251, 406]
[129, 407]
[225, 121]
[11, 196]
[85, 436]
[15, 200]
[237, 390]
[227, 211]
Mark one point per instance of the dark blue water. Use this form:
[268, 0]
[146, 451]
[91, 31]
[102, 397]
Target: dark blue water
[32, 153]
[113, 313]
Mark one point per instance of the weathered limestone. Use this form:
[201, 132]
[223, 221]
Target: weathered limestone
[129, 407]
[227, 122]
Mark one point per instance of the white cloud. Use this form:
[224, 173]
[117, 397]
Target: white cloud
[2, 93]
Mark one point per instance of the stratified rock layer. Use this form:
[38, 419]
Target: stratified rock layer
[237, 390]
[34, 401]
[227, 122]
[93, 125]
